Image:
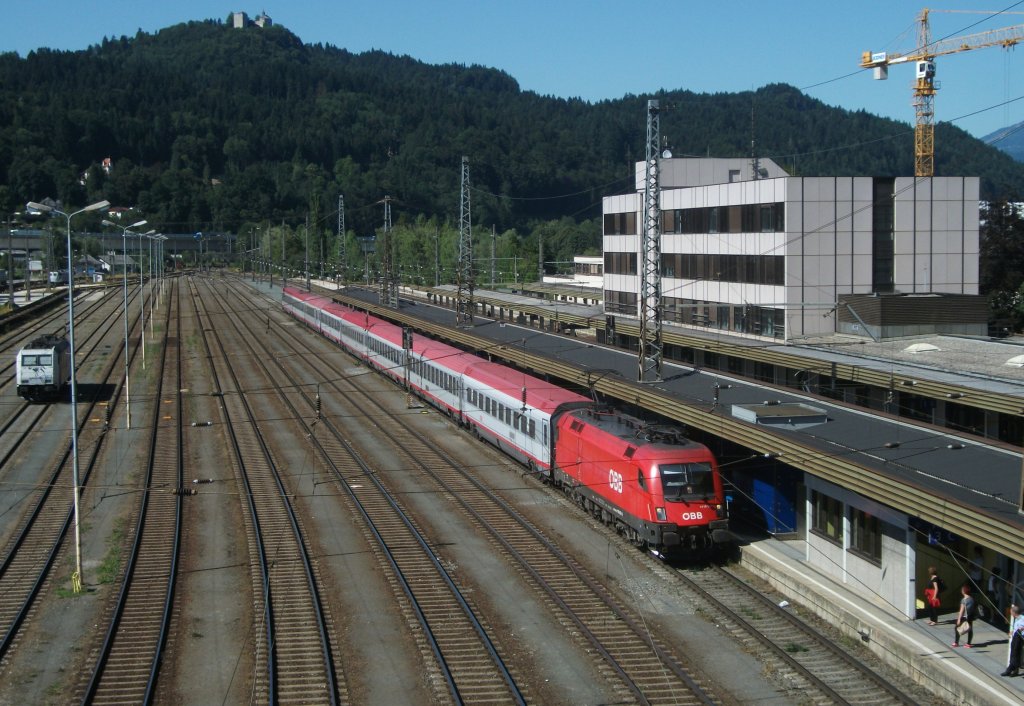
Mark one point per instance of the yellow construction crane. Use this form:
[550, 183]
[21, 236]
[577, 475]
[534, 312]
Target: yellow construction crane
[923, 58]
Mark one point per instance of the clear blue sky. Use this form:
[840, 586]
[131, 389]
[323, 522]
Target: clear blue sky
[604, 49]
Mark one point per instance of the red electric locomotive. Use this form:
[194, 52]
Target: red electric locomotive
[657, 487]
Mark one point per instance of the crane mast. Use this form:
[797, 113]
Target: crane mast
[923, 58]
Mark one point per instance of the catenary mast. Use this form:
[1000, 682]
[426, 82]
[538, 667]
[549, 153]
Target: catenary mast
[464, 277]
[650, 358]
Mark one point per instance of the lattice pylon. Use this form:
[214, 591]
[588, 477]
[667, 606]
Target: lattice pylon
[650, 353]
[464, 277]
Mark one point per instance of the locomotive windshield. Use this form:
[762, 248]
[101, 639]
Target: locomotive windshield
[34, 359]
[687, 481]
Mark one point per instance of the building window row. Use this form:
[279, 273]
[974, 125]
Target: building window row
[620, 302]
[748, 218]
[758, 320]
[745, 269]
[620, 223]
[588, 268]
[620, 263]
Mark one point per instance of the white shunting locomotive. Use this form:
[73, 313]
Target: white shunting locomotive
[44, 369]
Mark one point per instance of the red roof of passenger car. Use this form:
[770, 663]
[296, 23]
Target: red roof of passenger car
[540, 394]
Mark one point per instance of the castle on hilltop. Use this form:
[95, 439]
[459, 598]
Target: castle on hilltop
[241, 19]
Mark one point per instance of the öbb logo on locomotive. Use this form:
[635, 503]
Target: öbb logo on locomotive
[658, 488]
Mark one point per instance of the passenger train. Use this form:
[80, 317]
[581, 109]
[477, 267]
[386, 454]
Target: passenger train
[656, 487]
[43, 369]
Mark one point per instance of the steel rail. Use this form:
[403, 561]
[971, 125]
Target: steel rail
[394, 561]
[749, 596]
[125, 639]
[286, 506]
[44, 518]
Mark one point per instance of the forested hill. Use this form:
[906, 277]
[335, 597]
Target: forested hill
[212, 127]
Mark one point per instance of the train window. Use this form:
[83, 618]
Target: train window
[533, 428]
[640, 479]
[687, 481]
[37, 359]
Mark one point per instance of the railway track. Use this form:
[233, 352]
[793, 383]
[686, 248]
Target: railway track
[812, 664]
[649, 671]
[128, 660]
[467, 660]
[32, 549]
[294, 658]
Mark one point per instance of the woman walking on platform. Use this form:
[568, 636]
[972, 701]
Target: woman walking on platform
[967, 615]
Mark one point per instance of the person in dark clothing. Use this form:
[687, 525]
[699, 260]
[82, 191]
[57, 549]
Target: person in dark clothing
[1016, 642]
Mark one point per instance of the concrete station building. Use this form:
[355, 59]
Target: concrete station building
[771, 255]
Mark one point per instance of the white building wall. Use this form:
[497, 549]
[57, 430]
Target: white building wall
[936, 235]
[889, 582]
[828, 241]
[828, 248]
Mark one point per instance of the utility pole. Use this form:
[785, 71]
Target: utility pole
[494, 238]
[437, 256]
[308, 287]
[342, 253]
[540, 258]
[389, 282]
[10, 260]
[464, 278]
[650, 358]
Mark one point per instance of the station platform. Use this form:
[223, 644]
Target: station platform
[922, 653]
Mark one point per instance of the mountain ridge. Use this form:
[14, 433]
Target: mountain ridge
[213, 127]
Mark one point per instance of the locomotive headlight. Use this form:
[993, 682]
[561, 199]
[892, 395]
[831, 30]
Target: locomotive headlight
[720, 510]
[659, 512]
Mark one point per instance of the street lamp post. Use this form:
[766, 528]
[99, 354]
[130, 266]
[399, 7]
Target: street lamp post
[142, 296]
[10, 260]
[76, 580]
[125, 230]
[152, 297]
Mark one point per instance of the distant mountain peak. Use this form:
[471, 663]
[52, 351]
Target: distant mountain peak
[1009, 140]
